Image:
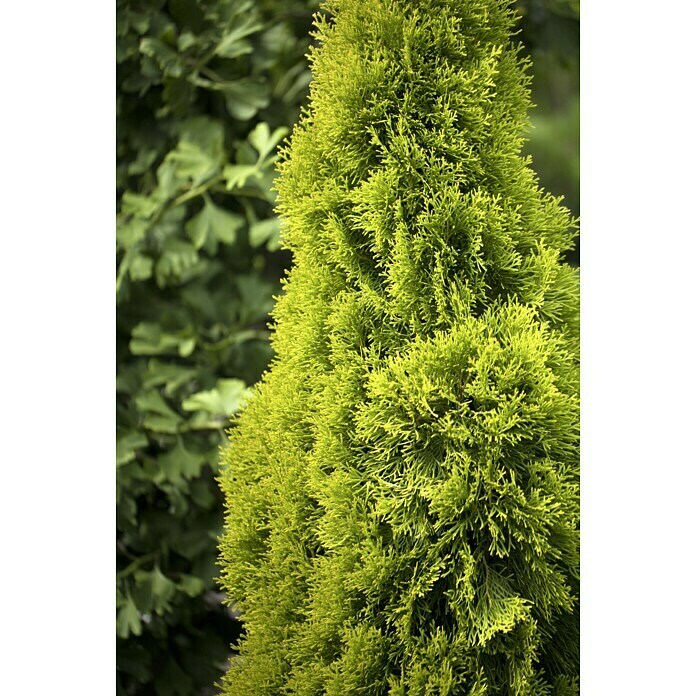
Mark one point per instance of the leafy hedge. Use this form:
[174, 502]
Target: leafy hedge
[402, 490]
[206, 91]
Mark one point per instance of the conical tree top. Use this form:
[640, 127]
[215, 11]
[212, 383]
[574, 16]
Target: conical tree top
[402, 491]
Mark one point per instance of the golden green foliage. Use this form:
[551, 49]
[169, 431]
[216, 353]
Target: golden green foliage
[402, 491]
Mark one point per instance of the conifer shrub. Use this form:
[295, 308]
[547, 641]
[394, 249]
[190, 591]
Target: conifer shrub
[402, 490]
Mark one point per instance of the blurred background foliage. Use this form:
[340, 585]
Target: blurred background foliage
[550, 32]
[206, 91]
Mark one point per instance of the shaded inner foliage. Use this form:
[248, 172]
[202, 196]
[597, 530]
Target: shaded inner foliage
[402, 490]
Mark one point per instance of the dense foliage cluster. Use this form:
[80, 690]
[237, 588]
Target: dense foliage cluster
[205, 92]
[402, 490]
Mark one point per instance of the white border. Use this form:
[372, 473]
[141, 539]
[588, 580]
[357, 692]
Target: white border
[57, 339]
[638, 347]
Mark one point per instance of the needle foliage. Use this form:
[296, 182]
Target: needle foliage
[402, 491]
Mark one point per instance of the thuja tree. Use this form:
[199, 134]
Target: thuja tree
[403, 488]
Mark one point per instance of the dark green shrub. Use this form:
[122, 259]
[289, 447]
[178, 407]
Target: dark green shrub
[205, 91]
[402, 491]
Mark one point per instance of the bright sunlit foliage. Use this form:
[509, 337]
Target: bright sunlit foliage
[402, 491]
